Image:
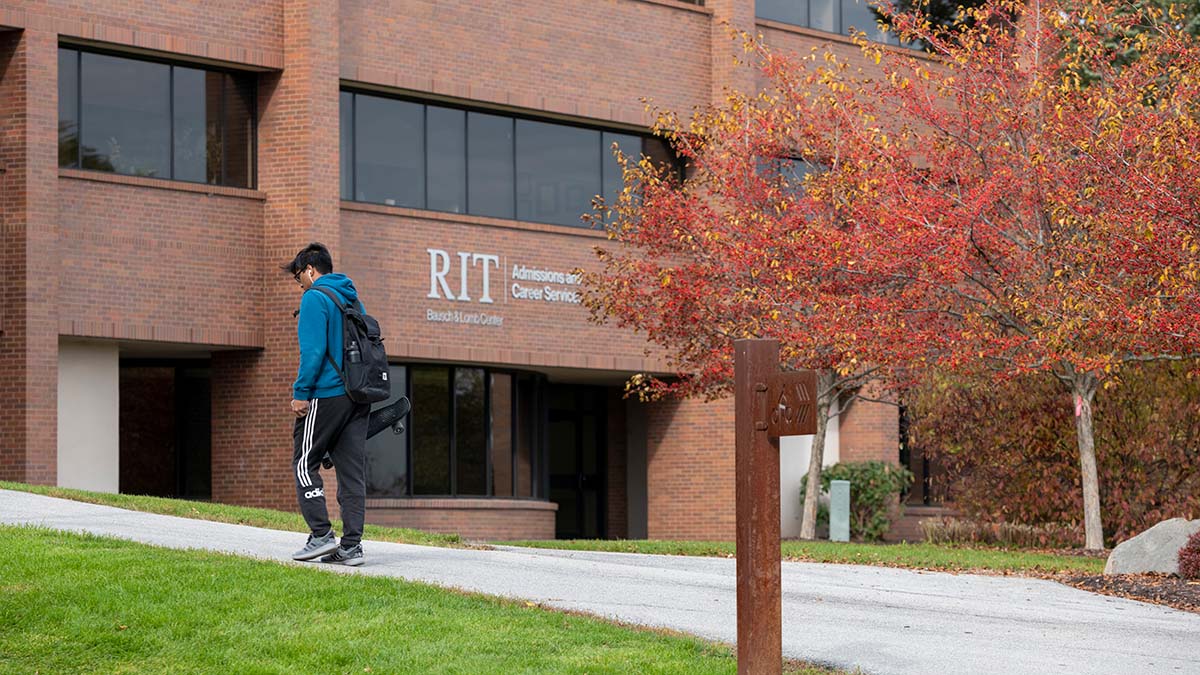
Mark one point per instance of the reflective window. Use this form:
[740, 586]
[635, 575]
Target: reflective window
[430, 430]
[490, 168]
[126, 116]
[144, 118]
[501, 433]
[412, 154]
[446, 161]
[389, 152]
[472, 432]
[470, 427]
[833, 16]
[558, 172]
[387, 452]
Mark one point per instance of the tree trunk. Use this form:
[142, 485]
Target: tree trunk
[808, 520]
[1083, 390]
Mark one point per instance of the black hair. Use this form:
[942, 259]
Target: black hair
[314, 254]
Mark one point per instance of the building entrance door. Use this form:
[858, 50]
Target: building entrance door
[577, 443]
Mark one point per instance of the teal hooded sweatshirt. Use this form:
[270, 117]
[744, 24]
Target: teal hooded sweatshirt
[320, 331]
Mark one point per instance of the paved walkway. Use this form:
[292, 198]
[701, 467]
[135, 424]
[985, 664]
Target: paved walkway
[879, 619]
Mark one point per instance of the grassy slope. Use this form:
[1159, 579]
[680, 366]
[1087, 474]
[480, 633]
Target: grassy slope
[79, 603]
[917, 556]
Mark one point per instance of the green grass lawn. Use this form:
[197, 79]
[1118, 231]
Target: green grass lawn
[224, 513]
[916, 556]
[83, 604]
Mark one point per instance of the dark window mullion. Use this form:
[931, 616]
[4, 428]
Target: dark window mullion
[487, 434]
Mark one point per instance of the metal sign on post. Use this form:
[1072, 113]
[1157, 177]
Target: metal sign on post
[768, 404]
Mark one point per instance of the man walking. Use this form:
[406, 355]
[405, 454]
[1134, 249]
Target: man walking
[326, 419]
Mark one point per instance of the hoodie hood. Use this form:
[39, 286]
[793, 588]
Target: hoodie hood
[339, 283]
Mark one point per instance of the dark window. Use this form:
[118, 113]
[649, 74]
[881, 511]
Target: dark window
[472, 432]
[490, 165]
[613, 179]
[558, 172]
[470, 427]
[126, 116]
[144, 118]
[387, 452]
[501, 432]
[194, 136]
[411, 154]
[430, 430]
[68, 107]
[389, 152]
[446, 159]
[788, 11]
[833, 16]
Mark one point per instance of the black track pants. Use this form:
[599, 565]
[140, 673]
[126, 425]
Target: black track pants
[337, 426]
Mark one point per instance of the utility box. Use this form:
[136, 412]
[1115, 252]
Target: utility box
[839, 510]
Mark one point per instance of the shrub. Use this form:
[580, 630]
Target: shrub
[1008, 535]
[874, 487]
[1189, 558]
[1010, 453]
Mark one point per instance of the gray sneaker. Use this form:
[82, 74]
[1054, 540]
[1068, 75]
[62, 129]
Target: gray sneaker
[352, 557]
[317, 546]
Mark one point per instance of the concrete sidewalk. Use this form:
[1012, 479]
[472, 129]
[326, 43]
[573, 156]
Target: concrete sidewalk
[879, 619]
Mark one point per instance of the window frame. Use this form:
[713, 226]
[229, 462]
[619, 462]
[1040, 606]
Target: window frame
[172, 64]
[537, 461]
[512, 117]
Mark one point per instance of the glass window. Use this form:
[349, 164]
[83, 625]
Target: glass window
[470, 425]
[238, 168]
[446, 162]
[194, 109]
[68, 108]
[787, 11]
[126, 120]
[156, 120]
[857, 15]
[389, 151]
[612, 178]
[387, 452]
[490, 165]
[346, 143]
[501, 432]
[558, 172]
[430, 427]
[824, 15]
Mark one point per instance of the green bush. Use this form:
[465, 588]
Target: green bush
[874, 487]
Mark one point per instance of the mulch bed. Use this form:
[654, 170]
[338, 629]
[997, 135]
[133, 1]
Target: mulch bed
[1160, 589]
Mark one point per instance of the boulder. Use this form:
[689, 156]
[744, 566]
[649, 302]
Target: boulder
[1155, 550]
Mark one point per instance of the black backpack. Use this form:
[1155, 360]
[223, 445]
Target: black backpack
[364, 362]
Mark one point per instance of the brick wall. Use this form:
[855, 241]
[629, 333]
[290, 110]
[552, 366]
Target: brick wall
[473, 519]
[617, 516]
[196, 265]
[689, 470]
[28, 299]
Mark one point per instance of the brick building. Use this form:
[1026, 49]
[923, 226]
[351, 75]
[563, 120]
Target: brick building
[160, 159]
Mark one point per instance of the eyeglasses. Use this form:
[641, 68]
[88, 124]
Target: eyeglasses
[296, 276]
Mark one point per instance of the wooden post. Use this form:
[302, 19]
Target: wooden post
[759, 597]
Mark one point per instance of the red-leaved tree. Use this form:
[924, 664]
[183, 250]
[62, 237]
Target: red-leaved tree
[1022, 200]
